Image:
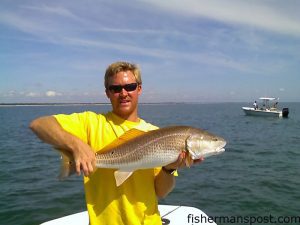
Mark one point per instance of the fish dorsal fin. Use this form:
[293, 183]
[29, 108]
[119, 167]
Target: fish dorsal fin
[133, 133]
[128, 135]
[121, 176]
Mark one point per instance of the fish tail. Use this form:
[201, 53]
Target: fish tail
[67, 165]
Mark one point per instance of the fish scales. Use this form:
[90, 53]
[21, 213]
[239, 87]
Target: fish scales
[154, 147]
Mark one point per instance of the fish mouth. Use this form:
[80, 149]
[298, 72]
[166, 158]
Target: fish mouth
[218, 150]
[222, 147]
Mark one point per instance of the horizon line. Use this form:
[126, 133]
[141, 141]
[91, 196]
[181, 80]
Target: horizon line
[106, 103]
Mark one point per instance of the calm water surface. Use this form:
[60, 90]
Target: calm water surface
[258, 175]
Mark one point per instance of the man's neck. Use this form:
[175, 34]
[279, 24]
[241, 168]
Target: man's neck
[132, 117]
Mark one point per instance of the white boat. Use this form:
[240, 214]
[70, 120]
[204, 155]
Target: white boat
[268, 109]
[170, 214]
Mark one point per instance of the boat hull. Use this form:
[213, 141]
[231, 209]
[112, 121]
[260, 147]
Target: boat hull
[266, 113]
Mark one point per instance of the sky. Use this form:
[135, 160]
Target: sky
[188, 51]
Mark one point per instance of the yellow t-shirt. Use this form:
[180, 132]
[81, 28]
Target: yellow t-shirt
[133, 202]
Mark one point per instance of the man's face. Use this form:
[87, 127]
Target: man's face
[124, 103]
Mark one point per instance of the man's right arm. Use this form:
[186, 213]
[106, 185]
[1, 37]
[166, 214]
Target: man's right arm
[49, 130]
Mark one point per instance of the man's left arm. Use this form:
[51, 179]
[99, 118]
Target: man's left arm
[164, 184]
[165, 180]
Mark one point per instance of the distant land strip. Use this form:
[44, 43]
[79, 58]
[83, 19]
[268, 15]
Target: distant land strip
[49, 104]
[74, 104]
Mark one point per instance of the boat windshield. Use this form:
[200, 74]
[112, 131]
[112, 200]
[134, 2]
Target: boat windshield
[269, 103]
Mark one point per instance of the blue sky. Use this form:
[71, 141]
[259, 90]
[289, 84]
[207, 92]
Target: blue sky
[188, 51]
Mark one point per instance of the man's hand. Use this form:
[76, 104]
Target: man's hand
[49, 130]
[85, 159]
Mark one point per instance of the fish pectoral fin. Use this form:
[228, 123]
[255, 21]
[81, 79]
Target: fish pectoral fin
[188, 160]
[121, 176]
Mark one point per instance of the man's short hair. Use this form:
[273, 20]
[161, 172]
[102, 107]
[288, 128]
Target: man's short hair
[117, 67]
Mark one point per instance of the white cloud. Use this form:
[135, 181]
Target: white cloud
[11, 93]
[31, 94]
[275, 16]
[14, 93]
[57, 10]
[25, 25]
[52, 94]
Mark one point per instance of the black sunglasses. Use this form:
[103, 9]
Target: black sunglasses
[119, 88]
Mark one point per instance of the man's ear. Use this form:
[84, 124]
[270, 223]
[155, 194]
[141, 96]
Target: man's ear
[106, 92]
[139, 89]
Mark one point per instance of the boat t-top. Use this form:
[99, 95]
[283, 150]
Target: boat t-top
[269, 108]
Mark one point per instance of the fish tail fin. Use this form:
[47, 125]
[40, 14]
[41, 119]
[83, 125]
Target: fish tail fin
[67, 164]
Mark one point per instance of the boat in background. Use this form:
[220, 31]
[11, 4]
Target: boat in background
[170, 214]
[268, 108]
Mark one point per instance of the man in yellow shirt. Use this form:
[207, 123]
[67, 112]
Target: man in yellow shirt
[83, 134]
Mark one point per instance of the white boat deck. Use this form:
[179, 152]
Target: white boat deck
[171, 215]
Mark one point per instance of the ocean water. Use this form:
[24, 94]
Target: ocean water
[258, 175]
